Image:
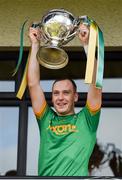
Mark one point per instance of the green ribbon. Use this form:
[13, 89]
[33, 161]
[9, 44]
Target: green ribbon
[100, 55]
[21, 48]
[100, 60]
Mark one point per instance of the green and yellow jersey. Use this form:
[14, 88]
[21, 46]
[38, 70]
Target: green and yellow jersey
[66, 142]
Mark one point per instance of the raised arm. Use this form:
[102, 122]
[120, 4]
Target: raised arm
[33, 75]
[94, 96]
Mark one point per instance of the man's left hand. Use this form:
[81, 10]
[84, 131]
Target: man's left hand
[83, 34]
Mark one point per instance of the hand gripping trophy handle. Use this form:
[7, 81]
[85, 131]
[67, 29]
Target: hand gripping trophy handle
[77, 21]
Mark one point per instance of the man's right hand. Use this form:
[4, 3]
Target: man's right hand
[35, 35]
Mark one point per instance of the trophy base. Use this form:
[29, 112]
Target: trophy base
[52, 57]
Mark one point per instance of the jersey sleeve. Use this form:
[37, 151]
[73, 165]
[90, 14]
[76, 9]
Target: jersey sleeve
[42, 111]
[43, 117]
[92, 117]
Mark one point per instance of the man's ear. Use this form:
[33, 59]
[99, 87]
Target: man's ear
[76, 97]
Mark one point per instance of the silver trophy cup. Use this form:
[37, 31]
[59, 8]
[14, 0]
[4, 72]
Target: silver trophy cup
[58, 27]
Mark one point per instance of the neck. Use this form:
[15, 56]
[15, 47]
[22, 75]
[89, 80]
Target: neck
[65, 114]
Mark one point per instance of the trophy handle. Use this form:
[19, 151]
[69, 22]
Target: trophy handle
[35, 25]
[84, 19]
[43, 37]
[69, 37]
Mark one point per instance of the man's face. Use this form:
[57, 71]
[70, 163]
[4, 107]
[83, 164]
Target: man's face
[63, 97]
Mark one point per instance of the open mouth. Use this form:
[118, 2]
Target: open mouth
[61, 105]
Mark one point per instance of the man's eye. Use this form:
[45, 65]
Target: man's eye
[55, 93]
[66, 92]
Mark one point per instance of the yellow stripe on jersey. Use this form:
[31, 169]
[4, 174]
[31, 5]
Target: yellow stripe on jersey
[38, 114]
[91, 109]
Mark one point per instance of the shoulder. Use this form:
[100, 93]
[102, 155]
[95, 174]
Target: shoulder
[88, 113]
[44, 112]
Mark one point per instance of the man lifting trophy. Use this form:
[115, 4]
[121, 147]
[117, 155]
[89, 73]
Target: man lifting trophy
[67, 138]
[56, 28]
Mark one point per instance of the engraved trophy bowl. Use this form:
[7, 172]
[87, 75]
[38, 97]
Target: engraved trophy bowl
[58, 27]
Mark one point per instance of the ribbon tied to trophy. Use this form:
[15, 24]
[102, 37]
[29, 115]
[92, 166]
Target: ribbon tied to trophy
[58, 27]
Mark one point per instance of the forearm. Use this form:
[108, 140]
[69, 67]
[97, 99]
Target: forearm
[94, 96]
[33, 75]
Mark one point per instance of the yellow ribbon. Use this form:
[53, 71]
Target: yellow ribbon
[23, 84]
[91, 54]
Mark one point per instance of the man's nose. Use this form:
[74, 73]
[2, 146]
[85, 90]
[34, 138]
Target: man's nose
[61, 96]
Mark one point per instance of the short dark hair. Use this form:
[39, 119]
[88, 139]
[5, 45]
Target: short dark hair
[71, 80]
